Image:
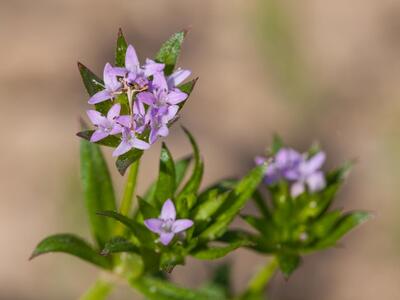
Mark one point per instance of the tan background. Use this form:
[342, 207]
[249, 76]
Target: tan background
[310, 70]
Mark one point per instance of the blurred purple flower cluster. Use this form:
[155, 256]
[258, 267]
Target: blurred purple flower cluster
[299, 169]
[153, 102]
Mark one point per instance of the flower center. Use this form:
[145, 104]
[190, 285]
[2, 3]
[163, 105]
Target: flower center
[167, 225]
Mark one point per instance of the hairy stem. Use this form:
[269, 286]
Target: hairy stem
[259, 281]
[98, 291]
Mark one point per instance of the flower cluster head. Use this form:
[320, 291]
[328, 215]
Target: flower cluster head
[299, 169]
[153, 100]
[167, 225]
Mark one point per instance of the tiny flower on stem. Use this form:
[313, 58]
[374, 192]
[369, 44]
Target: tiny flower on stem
[112, 86]
[129, 141]
[166, 226]
[105, 126]
[290, 165]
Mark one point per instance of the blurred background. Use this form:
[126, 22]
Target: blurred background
[310, 70]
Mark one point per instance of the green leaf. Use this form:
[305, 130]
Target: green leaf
[188, 87]
[261, 204]
[147, 210]
[71, 244]
[288, 263]
[124, 161]
[93, 84]
[209, 206]
[157, 289]
[210, 253]
[181, 167]
[277, 144]
[110, 141]
[169, 52]
[185, 200]
[119, 244]
[234, 203]
[121, 49]
[98, 190]
[165, 188]
[324, 224]
[346, 223]
[139, 231]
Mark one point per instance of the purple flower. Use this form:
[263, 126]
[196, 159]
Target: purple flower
[166, 225]
[105, 126]
[134, 73]
[112, 86]
[309, 175]
[290, 165]
[138, 121]
[177, 78]
[284, 165]
[160, 94]
[129, 141]
[159, 118]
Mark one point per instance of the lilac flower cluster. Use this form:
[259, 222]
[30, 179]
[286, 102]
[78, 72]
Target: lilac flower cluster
[153, 102]
[167, 225]
[297, 168]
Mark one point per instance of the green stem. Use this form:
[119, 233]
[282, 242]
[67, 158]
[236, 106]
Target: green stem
[98, 291]
[259, 281]
[129, 191]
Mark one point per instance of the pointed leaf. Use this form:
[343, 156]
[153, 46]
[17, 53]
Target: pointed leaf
[181, 167]
[147, 210]
[188, 87]
[348, 222]
[158, 289]
[165, 188]
[110, 141]
[121, 49]
[124, 161]
[210, 253]
[71, 244]
[234, 203]
[140, 231]
[119, 244]
[169, 52]
[185, 200]
[93, 84]
[98, 190]
[288, 263]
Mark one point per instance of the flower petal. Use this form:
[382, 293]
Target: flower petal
[110, 78]
[97, 136]
[176, 96]
[146, 97]
[120, 71]
[114, 111]
[159, 81]
[100, 97]
[316, 181]
[163, 131]
[124, 120]
[139, 144]
[314, 163]
[181, 225]
[297, 189]
[172, 111]
[94, 116]
[116, 129]
[131, 59]
[177, 77]
[154, 225]
[168, 210]
[151, 67]
[166, 238]
[122, 148]
[260, 160]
